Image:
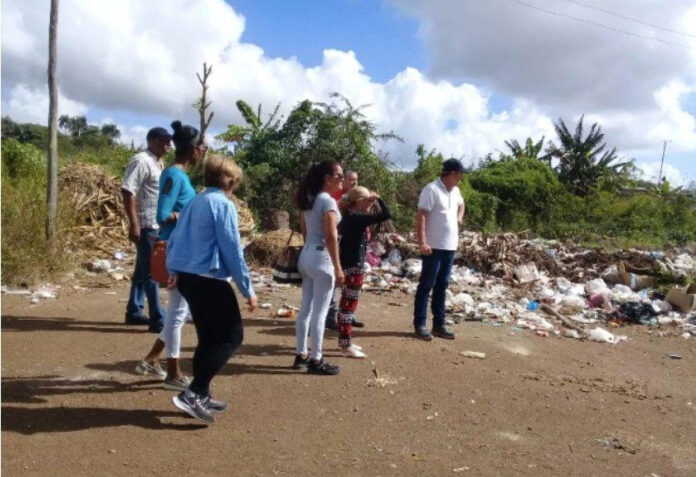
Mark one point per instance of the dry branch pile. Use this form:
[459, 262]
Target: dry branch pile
[265, 248]
[102, 226]
[96, 200]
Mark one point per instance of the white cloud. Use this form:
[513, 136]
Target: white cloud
[636, 88]
[141, 57]
[31, 105]
[651, 172]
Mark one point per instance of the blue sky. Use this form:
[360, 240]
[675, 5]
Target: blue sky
[384, 40]
[459, 76]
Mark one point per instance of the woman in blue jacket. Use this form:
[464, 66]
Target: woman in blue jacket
[203, 252]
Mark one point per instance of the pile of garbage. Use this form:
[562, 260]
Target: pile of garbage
[547, 287]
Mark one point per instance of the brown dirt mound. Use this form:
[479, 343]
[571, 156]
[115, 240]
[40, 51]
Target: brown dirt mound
[265, 248]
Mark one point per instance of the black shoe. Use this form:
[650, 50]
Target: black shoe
[443, 332]
[213, 405]
[322, 367]
[191, 404]
[331, 325]
[358, 324]
[156, 327]
[422, 333]
[300, 362]
[137, 320]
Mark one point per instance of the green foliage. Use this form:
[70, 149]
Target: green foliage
[531, 149]
[26, 258]
[276, 156]
[525, 190]
[583, 161]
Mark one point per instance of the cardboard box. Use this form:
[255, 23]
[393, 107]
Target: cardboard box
[630, 277]
[683, 298]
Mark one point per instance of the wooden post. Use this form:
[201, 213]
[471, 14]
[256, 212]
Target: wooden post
[52, 190]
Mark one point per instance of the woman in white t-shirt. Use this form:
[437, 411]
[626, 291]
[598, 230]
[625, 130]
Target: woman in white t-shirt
[319, 262]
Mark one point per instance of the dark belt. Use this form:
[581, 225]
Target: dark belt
[320, 248]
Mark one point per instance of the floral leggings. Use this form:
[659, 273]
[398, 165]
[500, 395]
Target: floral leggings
[349, 302]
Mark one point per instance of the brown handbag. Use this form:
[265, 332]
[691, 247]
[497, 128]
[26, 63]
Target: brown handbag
[285, 267]
[158, 262]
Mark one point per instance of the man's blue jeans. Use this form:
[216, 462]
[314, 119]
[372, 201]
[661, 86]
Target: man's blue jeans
[435, 276]
[142, 284]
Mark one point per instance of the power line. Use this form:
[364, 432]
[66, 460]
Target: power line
[626, 17]
[601, 25]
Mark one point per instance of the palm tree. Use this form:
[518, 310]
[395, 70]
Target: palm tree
[254, 124]
[76, 125]
[530, 150]
[582, 160]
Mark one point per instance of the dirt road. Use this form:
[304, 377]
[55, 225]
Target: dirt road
[71, 403]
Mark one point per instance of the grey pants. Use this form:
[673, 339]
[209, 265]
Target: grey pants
[317, 272]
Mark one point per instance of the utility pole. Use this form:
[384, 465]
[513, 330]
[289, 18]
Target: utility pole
[52, 189]
[662, 163]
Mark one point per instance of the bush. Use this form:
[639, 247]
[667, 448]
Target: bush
[525, 188]
[26, 258]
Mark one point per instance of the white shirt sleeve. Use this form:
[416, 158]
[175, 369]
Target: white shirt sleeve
[460, 199]
[136, 173]
[426, 199]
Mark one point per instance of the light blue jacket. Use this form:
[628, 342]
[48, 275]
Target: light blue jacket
[206, 241]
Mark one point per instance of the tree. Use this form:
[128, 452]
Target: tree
[203, 104]
[111, 131]
[530, 150]
[582, 160]
[76, 126]
[276, 155]
[52, 187]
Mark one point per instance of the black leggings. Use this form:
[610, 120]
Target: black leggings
[218, 323]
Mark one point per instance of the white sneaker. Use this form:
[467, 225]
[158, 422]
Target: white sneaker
[143, 368]
[353, 352]
[356, 346]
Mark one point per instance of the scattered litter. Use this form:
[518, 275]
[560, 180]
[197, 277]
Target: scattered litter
[473, 354]
[674, 356]
[285, 313]
[603, 336]
[265, 306]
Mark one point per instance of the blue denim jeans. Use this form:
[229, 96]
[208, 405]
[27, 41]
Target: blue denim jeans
[142, 284]
[435, 276]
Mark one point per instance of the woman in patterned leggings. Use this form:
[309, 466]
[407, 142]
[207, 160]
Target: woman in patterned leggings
[353, 245]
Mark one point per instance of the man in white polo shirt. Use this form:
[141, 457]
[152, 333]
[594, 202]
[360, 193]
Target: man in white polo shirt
[140, 191]
[440, 211]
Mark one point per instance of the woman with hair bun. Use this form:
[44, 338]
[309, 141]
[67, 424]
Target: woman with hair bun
[319, 263]
[176, 191]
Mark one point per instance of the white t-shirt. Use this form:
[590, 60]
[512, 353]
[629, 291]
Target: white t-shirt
[441, 227]
[314, 218]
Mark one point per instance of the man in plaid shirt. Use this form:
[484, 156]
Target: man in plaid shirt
[140, 191]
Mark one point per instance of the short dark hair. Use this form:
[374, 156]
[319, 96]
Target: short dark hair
[452, 165]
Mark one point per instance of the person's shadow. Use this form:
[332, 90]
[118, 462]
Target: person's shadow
[37, 323]
[33, 420]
